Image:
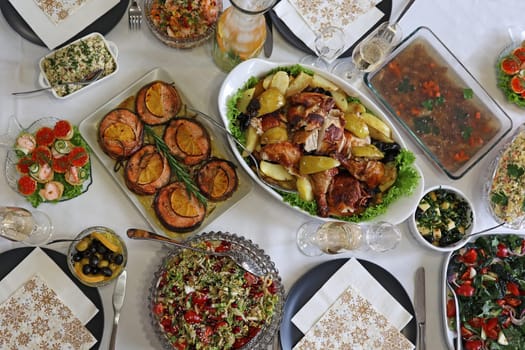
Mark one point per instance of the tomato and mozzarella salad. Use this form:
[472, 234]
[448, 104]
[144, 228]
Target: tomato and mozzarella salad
[489, 280]
[53, 163]
[208, 302]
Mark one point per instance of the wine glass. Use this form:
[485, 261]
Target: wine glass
[315, 238]
[370, 52]
[329, 44]
[21, 225]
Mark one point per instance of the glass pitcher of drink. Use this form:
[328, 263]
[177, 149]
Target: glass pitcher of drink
[21, 225]
[240, 33]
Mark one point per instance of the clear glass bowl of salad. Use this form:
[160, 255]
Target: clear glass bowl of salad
[182, 24]
[510, 67]
[204, 301]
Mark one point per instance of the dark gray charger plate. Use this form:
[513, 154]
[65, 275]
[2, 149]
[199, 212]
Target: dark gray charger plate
[11, 258]
[102, 25]
[289, 36]
[314, 279]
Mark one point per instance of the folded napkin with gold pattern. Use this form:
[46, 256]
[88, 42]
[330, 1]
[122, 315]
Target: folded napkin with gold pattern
[34, 317]
[353, 323]
[305, 18]
[39, 262]
[59, 10]
[351, 274]
[56, 21]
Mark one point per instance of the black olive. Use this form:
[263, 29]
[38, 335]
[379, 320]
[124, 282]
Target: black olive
[253, 108]
[118, 259]
[108, 256]
[93, 260]
[106, 271]
[101, 249]
[78, 256]
[86, 269]
[95, 270]
[92, 248]
[390, 150]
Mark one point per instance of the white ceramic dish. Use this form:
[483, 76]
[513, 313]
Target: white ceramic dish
[43, 78]
[396, 213]
[419, 237]
[89, 128]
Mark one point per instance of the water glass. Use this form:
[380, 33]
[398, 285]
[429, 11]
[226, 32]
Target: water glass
[333, 237]
[21, 225]
[329, 44]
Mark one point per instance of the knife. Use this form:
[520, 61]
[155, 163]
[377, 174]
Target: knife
[419, 304]
[118, 300]
[268, 43]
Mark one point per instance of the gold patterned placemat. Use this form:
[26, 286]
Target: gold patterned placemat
[353, 323]
[33, 317]
[59, 10]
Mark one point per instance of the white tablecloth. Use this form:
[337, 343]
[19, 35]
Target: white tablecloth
[475, 30]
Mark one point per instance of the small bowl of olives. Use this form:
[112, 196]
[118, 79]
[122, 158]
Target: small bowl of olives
[97, 256]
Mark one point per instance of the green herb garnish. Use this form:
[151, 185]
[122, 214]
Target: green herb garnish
[515, 171]
[468, 93]
[180, 170]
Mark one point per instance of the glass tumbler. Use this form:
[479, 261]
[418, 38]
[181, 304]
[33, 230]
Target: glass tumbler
[333, 237]
[21, 225]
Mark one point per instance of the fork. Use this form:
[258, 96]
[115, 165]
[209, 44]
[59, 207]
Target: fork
[135, 16]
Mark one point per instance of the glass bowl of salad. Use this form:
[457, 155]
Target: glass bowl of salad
[444, 216]
[202, 301]
[182, 24]
[510, 67]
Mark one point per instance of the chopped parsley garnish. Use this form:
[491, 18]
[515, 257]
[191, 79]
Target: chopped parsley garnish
[468, 93]
[499, 198]
[515, 171]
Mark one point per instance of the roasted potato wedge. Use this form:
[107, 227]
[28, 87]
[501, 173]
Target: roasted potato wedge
[245, 99]
[376, 123]
[356, 125]
[356, 107]
[304, 188]
[340, 100]
[274, 135]
[319, 81]
[298, 84]
[280, 81]
[389, 178]
[314, 164]
[275, 171]
[367, 151]
[252, 140]
[270, 101]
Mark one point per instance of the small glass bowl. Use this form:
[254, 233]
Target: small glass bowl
[418, 235]
[111, 241]
[266, 334]
[179, 43]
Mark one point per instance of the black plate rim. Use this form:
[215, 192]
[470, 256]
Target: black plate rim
[310, 282]
[102, 25]
[11, 258]
[385, 6]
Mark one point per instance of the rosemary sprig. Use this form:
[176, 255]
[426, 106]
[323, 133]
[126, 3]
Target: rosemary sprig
[180, 170]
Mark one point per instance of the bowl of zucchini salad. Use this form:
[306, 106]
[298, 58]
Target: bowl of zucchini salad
[444, 216]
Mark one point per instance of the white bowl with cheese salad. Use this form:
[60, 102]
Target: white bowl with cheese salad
[444, 216]
[75, 61]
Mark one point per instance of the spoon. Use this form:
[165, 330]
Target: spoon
[239, 258]
[465, 239]
[246, 151]
[88, 79]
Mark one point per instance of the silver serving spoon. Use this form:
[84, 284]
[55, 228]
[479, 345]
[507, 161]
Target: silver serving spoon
[245, 150]
[242, 260]
[88, 79]
[465, 239]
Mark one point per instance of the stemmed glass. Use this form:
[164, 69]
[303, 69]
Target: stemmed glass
[315, 238]
[370, 52]
[329, 44]
[21, 225]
